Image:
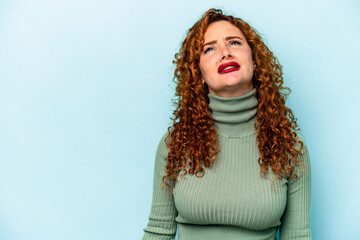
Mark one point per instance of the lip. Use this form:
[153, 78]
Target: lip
[229, 64]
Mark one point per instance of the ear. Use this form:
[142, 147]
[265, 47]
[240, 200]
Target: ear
[202, 79]
[254, 64]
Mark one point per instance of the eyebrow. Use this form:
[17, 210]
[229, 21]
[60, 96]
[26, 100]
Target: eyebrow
[227, 38]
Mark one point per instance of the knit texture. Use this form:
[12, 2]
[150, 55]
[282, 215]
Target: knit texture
[231, 201]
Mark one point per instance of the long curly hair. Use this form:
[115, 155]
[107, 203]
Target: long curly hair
[192, 139]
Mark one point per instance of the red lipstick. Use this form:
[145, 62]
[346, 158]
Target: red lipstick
[228, 67]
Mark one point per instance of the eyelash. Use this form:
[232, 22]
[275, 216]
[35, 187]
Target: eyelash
[237, 42]
[231, 43]
[206, 50]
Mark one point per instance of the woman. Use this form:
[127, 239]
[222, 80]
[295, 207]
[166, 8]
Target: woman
[232, 165]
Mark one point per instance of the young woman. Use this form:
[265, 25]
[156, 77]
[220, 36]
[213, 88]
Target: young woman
[232, 165]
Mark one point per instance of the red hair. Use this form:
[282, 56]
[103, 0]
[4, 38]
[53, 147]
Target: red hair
[192, 139]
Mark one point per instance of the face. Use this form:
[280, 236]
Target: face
[226, 62]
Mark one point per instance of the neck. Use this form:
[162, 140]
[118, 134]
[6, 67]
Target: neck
[234, 116]
[233, 91]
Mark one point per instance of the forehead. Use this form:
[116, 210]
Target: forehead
[221, 29]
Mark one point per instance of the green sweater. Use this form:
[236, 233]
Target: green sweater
[231, 201]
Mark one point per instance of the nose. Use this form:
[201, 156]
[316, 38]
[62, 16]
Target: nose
[225, 53]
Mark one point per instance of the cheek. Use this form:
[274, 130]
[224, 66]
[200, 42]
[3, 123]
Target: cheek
[202, 71]
[250, 57]
[246, 54]
[203, 66]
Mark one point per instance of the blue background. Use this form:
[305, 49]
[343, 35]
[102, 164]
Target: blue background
[85, 95]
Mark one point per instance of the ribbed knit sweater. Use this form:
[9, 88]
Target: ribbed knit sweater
[231, 201]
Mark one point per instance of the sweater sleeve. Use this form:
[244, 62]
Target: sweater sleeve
[296, 218]
[161, 224]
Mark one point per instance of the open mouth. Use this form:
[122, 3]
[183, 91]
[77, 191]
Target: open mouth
[228, 67]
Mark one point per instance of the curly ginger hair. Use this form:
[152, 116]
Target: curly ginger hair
[192, 139]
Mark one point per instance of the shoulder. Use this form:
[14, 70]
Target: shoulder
[301, 144]
[165, 138]
[304, 156]
[161, 156]
[162, 148]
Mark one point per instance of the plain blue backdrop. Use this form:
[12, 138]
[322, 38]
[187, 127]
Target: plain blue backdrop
[85, 95]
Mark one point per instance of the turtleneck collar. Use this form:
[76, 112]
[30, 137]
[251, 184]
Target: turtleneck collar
[234, 116]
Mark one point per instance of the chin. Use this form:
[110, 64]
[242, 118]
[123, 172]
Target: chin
[245, 85]
[235, 82]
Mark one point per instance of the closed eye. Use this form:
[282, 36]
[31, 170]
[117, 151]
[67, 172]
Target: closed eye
[208, 49]
[235, 43]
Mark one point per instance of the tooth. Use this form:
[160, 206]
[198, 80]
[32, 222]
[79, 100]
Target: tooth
[228, 68]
